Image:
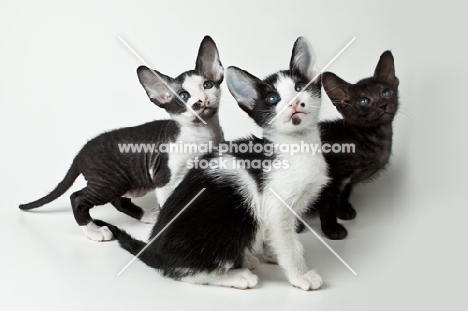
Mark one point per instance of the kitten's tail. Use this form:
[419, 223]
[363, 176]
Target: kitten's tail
[63, 186]
[132, 245]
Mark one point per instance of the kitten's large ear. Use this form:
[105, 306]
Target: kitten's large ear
[335, 87]
[303, 60]
[208, 62]
[156, 85]
[385, 70]
[243, 86]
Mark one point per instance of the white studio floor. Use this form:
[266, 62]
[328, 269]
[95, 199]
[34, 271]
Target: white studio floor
[404, 251]
[65, 77]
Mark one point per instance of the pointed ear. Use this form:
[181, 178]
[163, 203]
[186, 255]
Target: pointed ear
[335, 87]
[243, 86]
[385, 70]
[208, 62]
[303, 60]
[156, 85]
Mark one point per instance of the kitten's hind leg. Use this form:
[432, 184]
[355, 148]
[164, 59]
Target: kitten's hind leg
[345, 209]
[237, 278]
[126, 206]
[82, 201]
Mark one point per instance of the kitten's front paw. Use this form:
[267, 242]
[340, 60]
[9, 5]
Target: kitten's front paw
[309, 281]
[150, 216]
[346, 212]
[335, 231]
[96, 233]
[244, 279]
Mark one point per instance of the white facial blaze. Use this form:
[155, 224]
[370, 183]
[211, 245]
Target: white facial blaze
[292, 102]
[194, 86]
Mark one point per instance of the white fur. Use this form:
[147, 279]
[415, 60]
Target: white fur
[95, 233]
[298, 185]
[192, 133]
[237, 278]
[150, 216]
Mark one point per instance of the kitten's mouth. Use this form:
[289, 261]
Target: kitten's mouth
[296, 117]
[207, 112]
[386, 112]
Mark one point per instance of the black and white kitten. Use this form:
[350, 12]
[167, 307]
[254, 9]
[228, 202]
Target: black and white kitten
[211, 241]
[114, 176]
[368, 108]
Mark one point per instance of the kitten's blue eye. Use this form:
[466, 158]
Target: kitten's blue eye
[208, 85]
[364, 101]
[300, 86]
[272, 98]
[184, 95]
[386, 93]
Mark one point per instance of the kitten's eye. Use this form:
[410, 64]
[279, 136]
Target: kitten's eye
[300, 86]
[386, 93]
[184, 95]
[364, 101]
[208, 85]
[272, 98]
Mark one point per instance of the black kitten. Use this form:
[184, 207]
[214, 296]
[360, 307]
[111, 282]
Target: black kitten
[115, 175]
[368, 108]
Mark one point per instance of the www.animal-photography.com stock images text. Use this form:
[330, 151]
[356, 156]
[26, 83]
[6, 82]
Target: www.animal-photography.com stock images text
[246, 155]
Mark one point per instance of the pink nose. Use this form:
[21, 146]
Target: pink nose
[294, 104]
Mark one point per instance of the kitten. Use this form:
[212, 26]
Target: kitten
[114, 176]
[211, 241]
[368, 108]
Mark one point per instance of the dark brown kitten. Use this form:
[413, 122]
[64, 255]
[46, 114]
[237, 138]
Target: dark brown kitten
[368, 108]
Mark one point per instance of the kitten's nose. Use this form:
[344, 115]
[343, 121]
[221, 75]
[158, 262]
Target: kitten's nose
[384, 106]
[295, 104]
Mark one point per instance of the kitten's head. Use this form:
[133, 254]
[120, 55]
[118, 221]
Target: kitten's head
[197, 90]
[284, 102]
[370, 102]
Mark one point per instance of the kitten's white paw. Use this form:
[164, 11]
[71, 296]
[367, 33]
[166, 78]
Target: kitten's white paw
[269, 255]
[250, 261]
[95, 233]
[150, 216]
[309, 281]
[244, 279]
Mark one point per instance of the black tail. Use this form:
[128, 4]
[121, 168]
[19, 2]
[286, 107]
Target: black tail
[131, 245]
[63, 186]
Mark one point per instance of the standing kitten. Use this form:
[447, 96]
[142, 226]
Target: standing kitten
[210, 242]
[368, 108]
[114, 176]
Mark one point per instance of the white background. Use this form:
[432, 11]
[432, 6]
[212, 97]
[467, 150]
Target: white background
[65, 77]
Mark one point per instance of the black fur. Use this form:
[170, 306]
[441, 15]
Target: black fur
[368, 127]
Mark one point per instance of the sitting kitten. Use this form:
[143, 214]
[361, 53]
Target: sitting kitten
[210, 242]
[114, 176]
[368, 108]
